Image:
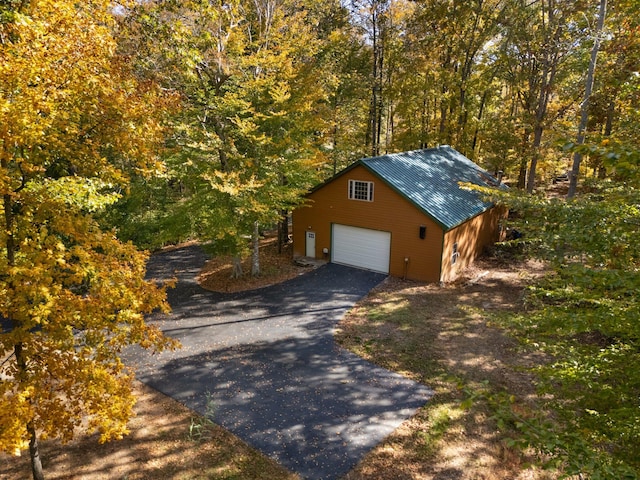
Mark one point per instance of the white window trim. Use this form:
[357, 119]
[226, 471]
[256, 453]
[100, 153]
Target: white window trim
[455, 254]
[352, 190]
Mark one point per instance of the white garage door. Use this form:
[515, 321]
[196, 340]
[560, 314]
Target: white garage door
[360, 247]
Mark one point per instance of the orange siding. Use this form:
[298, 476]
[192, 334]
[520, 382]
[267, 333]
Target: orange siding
[472, 237]
[429, 259]
[388, 212]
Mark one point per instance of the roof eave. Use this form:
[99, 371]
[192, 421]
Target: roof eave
[484, 210]
[362, 162]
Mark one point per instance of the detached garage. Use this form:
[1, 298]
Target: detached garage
[404, 214]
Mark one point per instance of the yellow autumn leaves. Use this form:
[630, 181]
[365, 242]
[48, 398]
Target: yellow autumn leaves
[75, 123]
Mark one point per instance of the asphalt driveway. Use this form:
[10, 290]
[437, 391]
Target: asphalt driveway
[268, 362]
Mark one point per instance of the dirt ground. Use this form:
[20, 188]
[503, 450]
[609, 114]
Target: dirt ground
[457, 340]
[275, 267]
[167, 441]
[451, 347]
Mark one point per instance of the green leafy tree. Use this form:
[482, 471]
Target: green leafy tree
[374, 18]
[584, 318]
[613, 109]
[344, 65]
[73, 122]
[540, 40]
[246, 143]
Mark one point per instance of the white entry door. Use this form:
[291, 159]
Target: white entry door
[361, 247]
[310, 245]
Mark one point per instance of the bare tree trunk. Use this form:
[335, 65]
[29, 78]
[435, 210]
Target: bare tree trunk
[375, 115]
[34, 453]
[548, 77]
[378, 32]
[443, 116]
[283, 230]
[424, 124]
[550, 61]
[237, 268]
[611, 109]
[522, 175]
[474, 143]
[255, 256]
[584, 108]
[537, 141]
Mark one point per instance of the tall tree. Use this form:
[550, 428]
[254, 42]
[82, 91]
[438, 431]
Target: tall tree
[444, 79]
[613, 109]
[535, 48]
[73, 122]
[374, 20]
[344, 61]
[584, 106]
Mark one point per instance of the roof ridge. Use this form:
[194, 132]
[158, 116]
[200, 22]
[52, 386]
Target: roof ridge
[430, 179]
[408, 152]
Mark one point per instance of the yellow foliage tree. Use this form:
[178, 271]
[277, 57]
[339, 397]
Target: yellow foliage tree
[74, 121]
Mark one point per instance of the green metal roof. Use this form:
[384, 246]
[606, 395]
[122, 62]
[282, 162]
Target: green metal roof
[430, 179]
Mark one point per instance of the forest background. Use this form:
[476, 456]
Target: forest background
[162, 121]
[277, 96]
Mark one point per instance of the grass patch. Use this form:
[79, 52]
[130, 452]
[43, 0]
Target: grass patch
[440, 420]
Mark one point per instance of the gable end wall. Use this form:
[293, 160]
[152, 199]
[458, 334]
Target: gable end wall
[472, 238]
[388, 212]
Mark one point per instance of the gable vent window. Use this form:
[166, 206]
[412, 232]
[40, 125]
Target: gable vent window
[359, 190]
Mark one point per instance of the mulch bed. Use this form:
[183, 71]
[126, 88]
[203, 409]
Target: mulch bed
[275, 267]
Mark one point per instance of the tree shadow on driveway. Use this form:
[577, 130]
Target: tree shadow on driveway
[267, 361]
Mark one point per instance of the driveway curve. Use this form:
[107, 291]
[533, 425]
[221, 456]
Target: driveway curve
[267, 361]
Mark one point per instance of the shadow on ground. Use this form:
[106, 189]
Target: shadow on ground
[267, 363]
